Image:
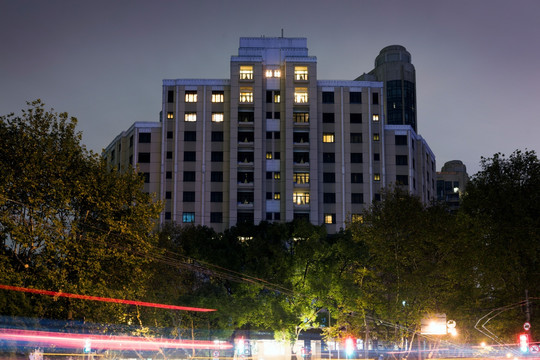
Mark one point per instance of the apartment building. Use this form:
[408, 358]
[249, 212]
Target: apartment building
[274, 143]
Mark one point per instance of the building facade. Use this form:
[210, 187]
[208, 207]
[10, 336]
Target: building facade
[451, 183]
[274, 143]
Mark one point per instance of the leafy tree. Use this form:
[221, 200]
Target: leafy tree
[68, 223]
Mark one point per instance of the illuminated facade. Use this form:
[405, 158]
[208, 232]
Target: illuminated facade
[273, 143]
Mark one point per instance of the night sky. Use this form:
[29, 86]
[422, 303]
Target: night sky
[103, 61]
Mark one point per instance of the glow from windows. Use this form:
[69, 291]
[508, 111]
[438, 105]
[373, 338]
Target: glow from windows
[376, 137]
[277, 196]
[301, 117]
[277, 175]
[277, 98]
[268, 73]
[190, 117]
[246, 72]
[188, 217]
[277, 73]
[329, 219]
[272, 73]
[377, 177]
[328, 138]
[301, 178]
[300, 95]
[170, 115]
[246, 95]
[301, 198]
[300, 73]
[217, 97]
[375, 117]
[268, 156]
[191, 96]
[217, 117]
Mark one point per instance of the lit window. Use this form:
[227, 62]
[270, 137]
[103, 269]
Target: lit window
[246, 95]
[301, 198]
[191, 96]
[269, 156]
[277, 73]
[375, 117]
[268, 73]
[190, 116]
[217, 96]
[329, 219]
[217, 117]
[246, 72]
[301, 117]
[277, 196]
[188, 217]
[300, 95]
[300, 73]
[301, 178]
[277, 98]
[377, 177]
[170, 115]
[328, 138]
[376, 137]
[277, 175]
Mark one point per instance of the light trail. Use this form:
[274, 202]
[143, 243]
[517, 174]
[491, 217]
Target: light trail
[104, 299]
[105, 342]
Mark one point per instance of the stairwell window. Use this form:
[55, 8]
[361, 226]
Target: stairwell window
[300, 73]
[246, 72]
[300, 95]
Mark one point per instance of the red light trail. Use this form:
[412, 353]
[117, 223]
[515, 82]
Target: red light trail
[104, 299]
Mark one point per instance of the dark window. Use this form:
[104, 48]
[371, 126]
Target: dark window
[401, 139]
[245, 157]
[146, 177]
[216, 156]
[216, 196]
[245, 177]
[170, 96]
[375, 98]
[268, 114]
[277, 115]
[277, 155]
[190, 136]
[301, 157]
[329, 157]
[377, 197]
[144, 157]
[401, 160]
[356, 158]
[268, 216]
[245, 197]
[269, 98]
[217, 136]
[188, 196]
[245, 136]
[328, 117]
[356, 118]
[329, 198]
[169, 154]
[277, 216]
[328, 97]
[190, 156]
[169, 134]
[168, 215]
[356, 138]
[376, 157]
[357, 178]
[244, 116]
[357, 198]
[277, 135]
[301, 137]
[355, 97]
[216, 217]
[168, 195]
[268, 175]
[245, 218]
[268, 195]
[268, 135]
[145, 137]
[402, 180]
[216, 176]
[329, 177]
[189, 176]
[168, 175]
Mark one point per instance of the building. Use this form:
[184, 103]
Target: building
[451, 183]
[273, 142]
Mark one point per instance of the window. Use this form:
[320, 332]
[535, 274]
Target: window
[401, 160]
[273, 97]
[217, 96]
[168, 175]
[328, 117]
[268, 175]
[376, 137]
[301, 198]
[357, 198]
[269, 155]
[301, 117]
[189, 176]
[329, 157]
[301, 178]
[328, 138]
[170, 96]
[356, 138]
[246, 116]
[191, 96]
[245, 197]
[329, 177]
[217, 117]
[216, 156]
[328, 97]
[377, 177]
[246, 72]
[357, 178]
[168, 195]
[245, 177]
[188, 217]
[300, 73]
[216, 217]
[190, 136]
[277, 196]
[216, 176]
[169, 134]
[301, 157]
[145, 137]
[169, 154]
[277, 155]
[146, 177]
[375, 98]
[190, 156]
[356, 118]
[355, 97]
[300, 95]
[329, 218]
[329, 198]
[277, 97]
[402, 180]
[401, 139]
[277, 175]
[167, 215]
[188, 196]
[300, 137]
[144, 157]
[190, 116]
[356, 158]
[217, 136]
[170, 115]
[376, 157]
[375, 117]
[245, 136]
[245, 157]
[216, 196]
[246, 95]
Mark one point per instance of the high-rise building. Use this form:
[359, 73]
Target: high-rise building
[274, 143]
[451, 183]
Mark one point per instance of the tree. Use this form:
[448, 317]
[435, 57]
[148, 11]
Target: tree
[67, 222]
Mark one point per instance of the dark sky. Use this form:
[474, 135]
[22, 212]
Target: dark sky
[103, 61]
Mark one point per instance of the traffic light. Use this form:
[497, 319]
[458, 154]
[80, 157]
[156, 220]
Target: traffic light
[524, 342]
[349, 347]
